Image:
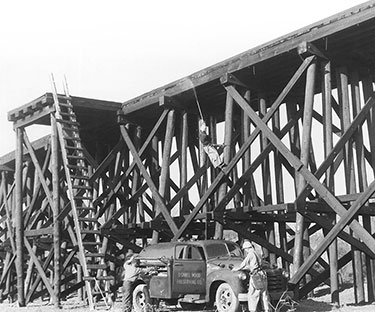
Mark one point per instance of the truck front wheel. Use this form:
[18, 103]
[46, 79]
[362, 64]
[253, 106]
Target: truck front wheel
[225, 299]
[141, 298]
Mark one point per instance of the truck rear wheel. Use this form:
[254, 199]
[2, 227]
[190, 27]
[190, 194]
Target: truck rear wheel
[141, 298]
[225, 299]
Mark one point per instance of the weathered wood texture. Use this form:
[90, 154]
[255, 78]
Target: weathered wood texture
[295, 117]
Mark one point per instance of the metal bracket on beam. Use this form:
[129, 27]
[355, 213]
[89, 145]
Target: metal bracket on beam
[230, 79]
[306, 49]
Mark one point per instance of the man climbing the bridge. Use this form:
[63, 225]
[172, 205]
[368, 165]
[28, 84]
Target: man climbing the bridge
[213, 151]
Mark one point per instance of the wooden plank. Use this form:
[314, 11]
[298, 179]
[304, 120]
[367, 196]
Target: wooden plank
[301, 237]
[279, 182]
[72, 289]
[326, 195]
[342, 79]
[39, 232]
[368, 88]
[6, 168]
[47, 100]
[68, 259]
[136, 208]
[164, 173]
[14, 113]
[19, 217]
[228, 140]
[184, 138]
[33, 118]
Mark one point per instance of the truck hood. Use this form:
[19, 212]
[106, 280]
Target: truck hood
[224, 262]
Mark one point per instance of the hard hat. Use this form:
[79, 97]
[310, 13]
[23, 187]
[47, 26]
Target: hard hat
[247, 244]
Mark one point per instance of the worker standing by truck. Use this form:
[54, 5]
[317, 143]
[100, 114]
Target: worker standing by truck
[130, 274]
[258, 278]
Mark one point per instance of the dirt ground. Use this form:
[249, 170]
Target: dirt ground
[319, 303]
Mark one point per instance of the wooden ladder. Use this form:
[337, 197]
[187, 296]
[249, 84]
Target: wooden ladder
[83, 212]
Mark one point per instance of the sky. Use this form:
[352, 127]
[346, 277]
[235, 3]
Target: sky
[118, 50]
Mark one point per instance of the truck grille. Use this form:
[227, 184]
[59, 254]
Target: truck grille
[276, 281]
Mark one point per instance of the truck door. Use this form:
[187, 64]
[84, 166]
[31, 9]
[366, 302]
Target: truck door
[189, 270]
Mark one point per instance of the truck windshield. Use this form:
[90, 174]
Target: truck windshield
[223, 250]
[235, 250]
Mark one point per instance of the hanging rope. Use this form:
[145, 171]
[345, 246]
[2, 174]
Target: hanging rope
[198, 105]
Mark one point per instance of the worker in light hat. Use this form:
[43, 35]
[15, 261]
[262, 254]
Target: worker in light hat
[258, 278]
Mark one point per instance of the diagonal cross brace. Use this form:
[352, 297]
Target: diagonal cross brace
[38, 169]
[254, 165]
[113, 190]
[245, 146]
[323, 222]
[357, 121]
[158, 198]
[334, 232]
[40, 269]
[326, 195]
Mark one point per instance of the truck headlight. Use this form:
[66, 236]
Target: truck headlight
[242, 275]
[286, 275]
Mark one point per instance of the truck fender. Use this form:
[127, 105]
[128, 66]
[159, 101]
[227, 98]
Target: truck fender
[215, 278]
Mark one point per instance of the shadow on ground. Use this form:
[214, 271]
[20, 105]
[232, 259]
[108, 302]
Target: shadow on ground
[310, 305]
[326, 290]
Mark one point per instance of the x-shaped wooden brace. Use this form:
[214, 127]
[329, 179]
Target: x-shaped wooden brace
[39, 268]
[38, 168]
[326, 195]
[155, 193]
[114, 190]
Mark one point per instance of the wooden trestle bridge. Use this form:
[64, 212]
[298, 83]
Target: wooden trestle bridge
[297, 120]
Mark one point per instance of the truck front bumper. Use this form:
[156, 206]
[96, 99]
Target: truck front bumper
[242, 297]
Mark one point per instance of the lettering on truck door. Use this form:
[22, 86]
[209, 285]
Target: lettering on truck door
[189, 270]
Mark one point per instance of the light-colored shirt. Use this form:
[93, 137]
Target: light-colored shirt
[131, 272]
[251, 261]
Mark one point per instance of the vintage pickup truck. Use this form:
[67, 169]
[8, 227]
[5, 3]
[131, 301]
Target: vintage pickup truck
[198, 274]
